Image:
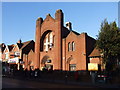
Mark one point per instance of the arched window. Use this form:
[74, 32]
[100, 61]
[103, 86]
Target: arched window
[73, 46]
[69, 47]
[51, 37]
[48, 41]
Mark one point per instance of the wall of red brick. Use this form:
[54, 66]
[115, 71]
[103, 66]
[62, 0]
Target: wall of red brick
[71, 54]
[25, 60]
[59, 54]
[30, 59]
[55, 25]
[95, 60]
[81, 47]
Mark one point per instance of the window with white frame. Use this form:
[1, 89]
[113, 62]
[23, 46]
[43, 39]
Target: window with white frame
[48, 41]
[51, 40]
[6, 55]
[73, 46]
[69, 47]
[17, 54]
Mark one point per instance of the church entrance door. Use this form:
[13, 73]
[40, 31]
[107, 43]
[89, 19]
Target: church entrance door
[49, 66]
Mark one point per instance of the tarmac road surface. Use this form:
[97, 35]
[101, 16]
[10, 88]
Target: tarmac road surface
[15, 83]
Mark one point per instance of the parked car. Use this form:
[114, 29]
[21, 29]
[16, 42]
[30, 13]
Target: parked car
[102, 77]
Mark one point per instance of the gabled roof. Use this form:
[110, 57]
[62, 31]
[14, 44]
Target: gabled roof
[19, 45]
[47, 19]
[95, 53]
[10, 47]
[25, 44]
[66, 32]
[75, 32]
[48, 16]
[2, 47]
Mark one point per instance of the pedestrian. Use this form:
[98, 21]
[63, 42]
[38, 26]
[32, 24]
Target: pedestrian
[93, 76]
[12, 72]
[3, 71]
[36, 73]
[8, 71]
[66, 77]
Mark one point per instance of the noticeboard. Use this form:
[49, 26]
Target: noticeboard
[92, 67]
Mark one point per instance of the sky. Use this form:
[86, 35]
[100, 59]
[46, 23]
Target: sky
[19, 18]
[119, 14]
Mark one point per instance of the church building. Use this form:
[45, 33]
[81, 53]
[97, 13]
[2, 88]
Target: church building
[58, 47]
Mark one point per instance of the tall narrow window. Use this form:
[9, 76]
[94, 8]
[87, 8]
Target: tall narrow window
[6, 55]
[51, 37]
[51, 40]
[69, 48]
[73, 46]
[48, 41]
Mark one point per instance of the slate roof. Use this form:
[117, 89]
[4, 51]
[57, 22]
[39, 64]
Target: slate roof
[10, 47]
[65, 32]
[20, 45]
[25, 44]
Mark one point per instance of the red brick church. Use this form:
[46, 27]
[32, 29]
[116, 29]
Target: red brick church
[58, 47]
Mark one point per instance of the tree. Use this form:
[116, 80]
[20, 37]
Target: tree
[108, 41]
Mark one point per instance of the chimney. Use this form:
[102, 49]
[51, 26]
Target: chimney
[20, 41]
[59, 16]
[69, 25]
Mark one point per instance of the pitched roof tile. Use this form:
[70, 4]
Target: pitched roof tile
[95, 52]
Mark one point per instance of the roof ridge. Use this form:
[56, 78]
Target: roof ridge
[25, 44]
[95, 52]
[27, 41]
[75, 32]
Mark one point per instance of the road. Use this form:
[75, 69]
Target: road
[17, 83]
